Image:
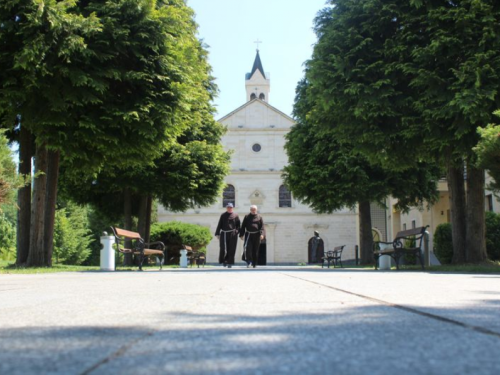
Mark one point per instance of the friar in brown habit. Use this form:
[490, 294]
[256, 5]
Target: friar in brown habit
[227, 234]
[252, 232]
[316, 248]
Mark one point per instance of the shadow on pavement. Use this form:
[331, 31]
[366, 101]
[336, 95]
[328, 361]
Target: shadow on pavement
[353, 338]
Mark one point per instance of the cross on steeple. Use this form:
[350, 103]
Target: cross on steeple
[258, 42]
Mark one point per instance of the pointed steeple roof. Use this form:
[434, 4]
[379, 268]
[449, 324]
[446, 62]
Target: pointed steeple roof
[257, 65]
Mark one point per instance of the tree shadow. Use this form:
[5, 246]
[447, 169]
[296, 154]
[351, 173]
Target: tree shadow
[352, 338]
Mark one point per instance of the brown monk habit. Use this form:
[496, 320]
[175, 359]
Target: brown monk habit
[316, 248]
[251, 230]
[227, 229]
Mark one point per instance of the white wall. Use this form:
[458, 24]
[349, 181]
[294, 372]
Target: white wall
[259, 173]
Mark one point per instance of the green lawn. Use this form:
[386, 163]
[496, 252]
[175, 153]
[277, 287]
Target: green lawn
[8, 267]
[488, 267]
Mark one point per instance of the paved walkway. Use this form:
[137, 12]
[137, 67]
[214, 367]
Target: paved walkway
[274, 320]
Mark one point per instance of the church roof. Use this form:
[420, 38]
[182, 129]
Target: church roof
[257, 65]
[260, 102]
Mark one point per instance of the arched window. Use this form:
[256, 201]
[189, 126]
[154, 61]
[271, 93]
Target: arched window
[285, 197]
[262, 96]
[229, 196]
[253, 96]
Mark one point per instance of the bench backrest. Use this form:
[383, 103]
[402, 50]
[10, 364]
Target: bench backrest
[416, 234]
[338, 248]
[122, 237]
[118, 232]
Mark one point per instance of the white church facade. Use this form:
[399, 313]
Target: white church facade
[256, 136]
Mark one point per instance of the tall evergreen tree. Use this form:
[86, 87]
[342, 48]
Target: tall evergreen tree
[98, 83]
[191, 169]
[455, 69]
[329, 174]
[405, 81]
[37, 40]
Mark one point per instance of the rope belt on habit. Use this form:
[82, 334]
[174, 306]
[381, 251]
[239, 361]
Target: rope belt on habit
[246, 242]
[225, 240]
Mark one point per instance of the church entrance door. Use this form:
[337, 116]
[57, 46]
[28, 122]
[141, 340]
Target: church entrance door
[262, 254]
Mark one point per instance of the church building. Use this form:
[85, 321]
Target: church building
[256, 136]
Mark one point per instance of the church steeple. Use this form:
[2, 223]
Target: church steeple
[257, 84]
[257, 65]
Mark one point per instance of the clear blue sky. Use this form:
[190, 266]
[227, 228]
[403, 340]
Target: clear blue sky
[230, 28]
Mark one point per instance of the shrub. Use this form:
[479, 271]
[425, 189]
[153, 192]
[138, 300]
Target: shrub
[410, 258]
[9, 180]
[72, 237]
[7, 239]
[493, 235]
[174, 234]
[443, 244]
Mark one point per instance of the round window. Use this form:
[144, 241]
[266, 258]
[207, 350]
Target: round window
[256, 147]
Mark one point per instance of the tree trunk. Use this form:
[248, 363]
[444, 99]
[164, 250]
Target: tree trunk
[476, 226]
[141, 222]
[365, 233]
[24, 197]
[36, 257]
[149, 207]
[456, 190]
[127, 212]
[50, 203]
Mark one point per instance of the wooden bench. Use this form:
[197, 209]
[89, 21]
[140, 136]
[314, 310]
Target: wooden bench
[138, 247]
[406, 242]
[333, 256]
[195, 257]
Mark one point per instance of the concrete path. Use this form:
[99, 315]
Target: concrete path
[270, 320]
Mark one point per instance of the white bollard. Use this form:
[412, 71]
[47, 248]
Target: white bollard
[107, 253]
[427, 253]
[184, 259]
[384, 262]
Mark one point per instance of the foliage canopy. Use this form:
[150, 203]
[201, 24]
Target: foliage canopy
[329, 174]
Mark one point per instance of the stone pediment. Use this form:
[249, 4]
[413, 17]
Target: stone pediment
[256, 197]
[257, 114]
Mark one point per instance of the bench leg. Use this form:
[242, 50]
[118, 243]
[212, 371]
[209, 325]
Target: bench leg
[160, 259]
[421, 258]
[396, 259]
[141, 260]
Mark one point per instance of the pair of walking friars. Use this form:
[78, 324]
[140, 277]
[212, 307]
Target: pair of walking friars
[251, 231]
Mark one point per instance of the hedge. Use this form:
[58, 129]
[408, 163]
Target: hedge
[493, 235]
[174, 234]
[443, 243]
